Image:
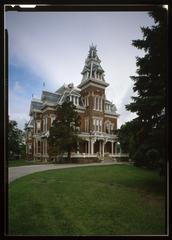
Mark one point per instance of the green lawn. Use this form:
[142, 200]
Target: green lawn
[101, 200]
[17, 163]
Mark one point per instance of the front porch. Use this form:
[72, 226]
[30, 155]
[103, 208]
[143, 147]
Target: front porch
[98, 144]
[92, 147]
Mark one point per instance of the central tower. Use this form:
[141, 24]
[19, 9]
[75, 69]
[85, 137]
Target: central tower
[92, 72]
[93, 90]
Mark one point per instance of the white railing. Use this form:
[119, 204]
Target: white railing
[98, 134]
[119, 155]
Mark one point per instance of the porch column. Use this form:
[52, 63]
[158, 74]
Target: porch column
[92, 147]
[89, 147]
[112, 146]
[100, 150]
[34, 146]
[46, 147]
[116, 148]
[103, 146]
[86, 146]
[77, 147]
[43, 142]
[120, 150]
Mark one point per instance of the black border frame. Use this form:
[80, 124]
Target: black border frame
[100, 5]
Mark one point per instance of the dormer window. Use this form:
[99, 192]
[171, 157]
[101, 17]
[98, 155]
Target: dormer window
[84, 101]
[76, 100]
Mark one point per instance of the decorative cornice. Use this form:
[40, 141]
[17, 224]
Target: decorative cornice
[112, 115]
[92, 83]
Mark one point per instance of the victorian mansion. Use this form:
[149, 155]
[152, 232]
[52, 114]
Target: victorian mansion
[98, 115]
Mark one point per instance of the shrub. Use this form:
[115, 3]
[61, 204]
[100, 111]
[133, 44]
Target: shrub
[152, 158]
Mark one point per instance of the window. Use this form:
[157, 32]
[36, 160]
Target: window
[100, 104]
[97, 125]
[76, 100]
[100, 129]
[86, 125]
[94, 124]
[44, 125]
[52, 119]
[30, 148]
[96, 103]
[38, 125]
[29, 134]
[107, 127]
[87, 100]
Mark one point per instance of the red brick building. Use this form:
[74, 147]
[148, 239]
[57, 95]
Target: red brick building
[98, 115]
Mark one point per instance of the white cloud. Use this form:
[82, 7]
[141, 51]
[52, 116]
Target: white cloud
[18, 105]
[53, 46]
[125, 115]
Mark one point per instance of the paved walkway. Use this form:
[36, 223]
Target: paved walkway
[17, 172]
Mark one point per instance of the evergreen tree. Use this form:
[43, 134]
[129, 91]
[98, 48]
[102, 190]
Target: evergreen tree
[150, 84]
[64, 131]
[16, 145]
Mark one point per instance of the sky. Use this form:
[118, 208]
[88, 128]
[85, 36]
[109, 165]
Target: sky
[51, 48]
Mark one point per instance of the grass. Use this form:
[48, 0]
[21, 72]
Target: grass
[101, 200]
[21, 162]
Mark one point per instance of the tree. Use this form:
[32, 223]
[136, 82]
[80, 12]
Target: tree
[64, 131]
[126, 136]
[16, 145]
[149, 128]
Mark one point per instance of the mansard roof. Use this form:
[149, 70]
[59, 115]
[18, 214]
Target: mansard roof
[53, 99]
[36, 105]
[50, 97]
[68, 88]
